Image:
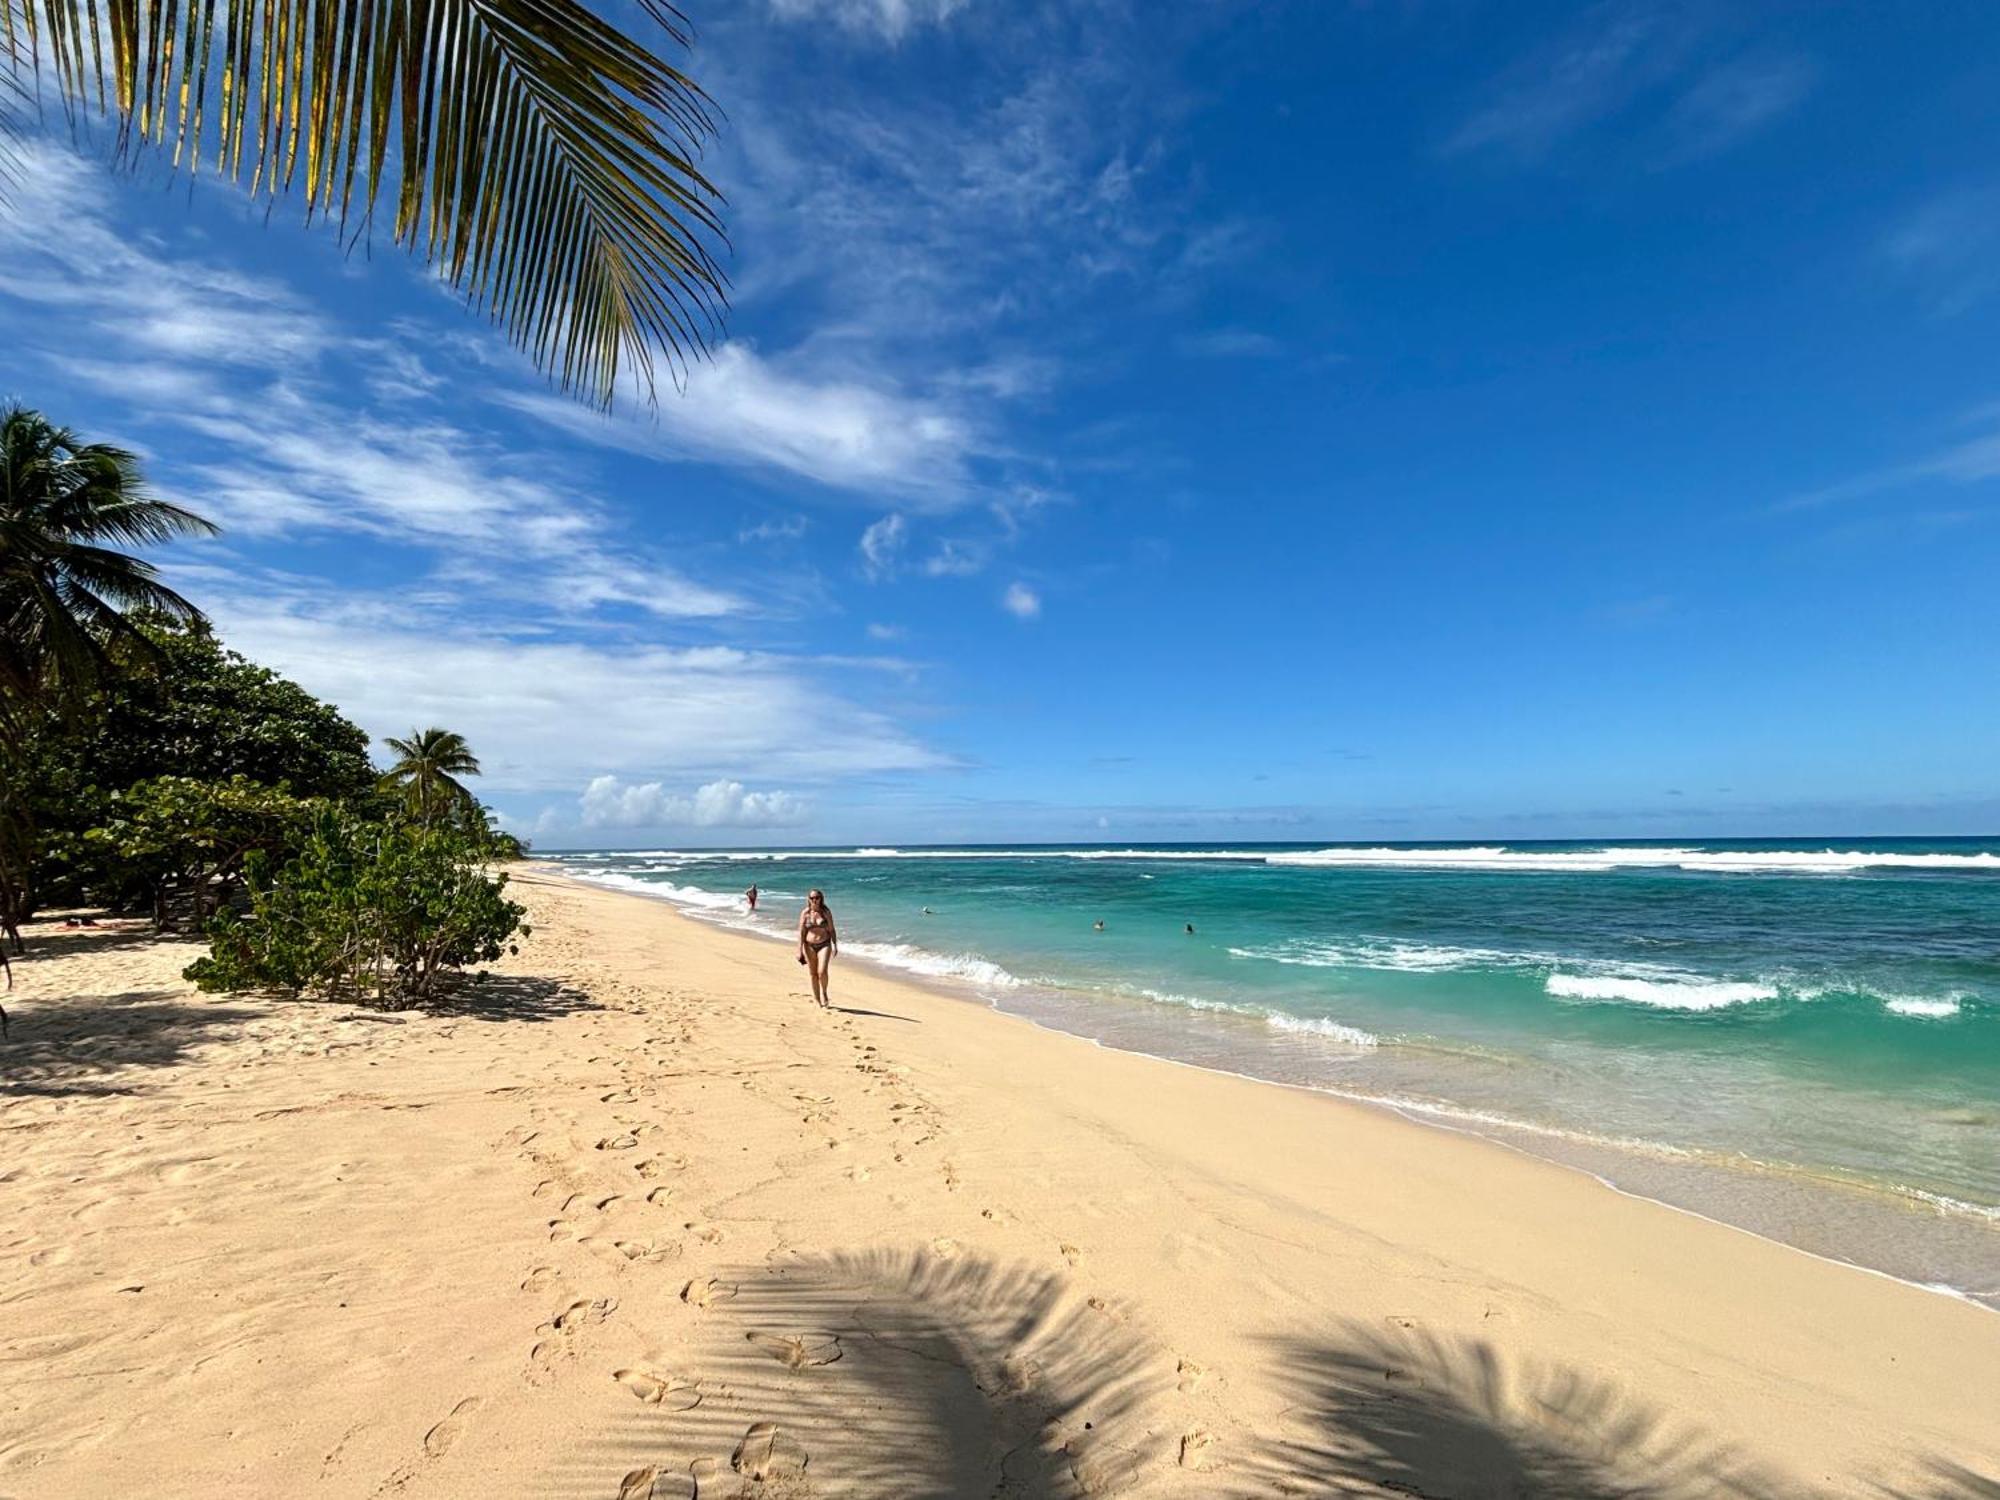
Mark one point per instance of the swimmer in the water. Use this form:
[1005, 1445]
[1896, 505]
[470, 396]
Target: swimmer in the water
[1190, 927]
[1098, 925]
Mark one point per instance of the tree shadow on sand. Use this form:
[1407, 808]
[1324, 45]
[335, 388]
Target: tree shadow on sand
[1412, 1413]
[89, 1044]
[102, 1044]
[890, 1373]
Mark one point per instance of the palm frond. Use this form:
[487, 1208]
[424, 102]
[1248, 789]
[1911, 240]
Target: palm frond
[540, 159]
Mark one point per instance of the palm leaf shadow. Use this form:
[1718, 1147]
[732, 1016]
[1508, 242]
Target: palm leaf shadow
[899, 1373]
[1414, 1413]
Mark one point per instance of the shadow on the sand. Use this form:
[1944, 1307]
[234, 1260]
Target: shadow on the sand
[895, 1373]
[87, 1044]
[50, 939]
[1408, 1412]
[878, 1015]
[1944, 1480]
[98, 1044]
[510, 997]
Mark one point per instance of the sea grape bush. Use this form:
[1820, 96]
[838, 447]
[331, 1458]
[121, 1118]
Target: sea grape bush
[378, 911]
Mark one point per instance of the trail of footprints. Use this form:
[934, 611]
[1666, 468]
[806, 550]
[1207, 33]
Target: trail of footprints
[637, 1227]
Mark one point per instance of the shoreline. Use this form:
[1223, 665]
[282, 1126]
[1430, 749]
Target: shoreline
[1890, 1205]
[937, 1251]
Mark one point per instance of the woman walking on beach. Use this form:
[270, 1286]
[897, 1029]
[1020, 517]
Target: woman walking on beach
[818, 942]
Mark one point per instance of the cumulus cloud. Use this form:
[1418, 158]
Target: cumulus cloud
[1021, 601]
[608, 802]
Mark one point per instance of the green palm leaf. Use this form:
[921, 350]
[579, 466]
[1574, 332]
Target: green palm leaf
[542, 160]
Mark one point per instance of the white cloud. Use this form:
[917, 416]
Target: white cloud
[882, 546]
[892, 20]
[955, 558]
[548, 713]
[59, 250]
[1736, 99]
[788, 530]
[1632, 60]
[608, 802]
[1951, 247]
[878, 632]
[1021, 601]
[842, 429]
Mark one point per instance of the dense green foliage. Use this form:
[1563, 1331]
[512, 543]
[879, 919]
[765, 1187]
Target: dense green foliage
[192, 712]
[145, 766]
[363, 910]
[67, 602]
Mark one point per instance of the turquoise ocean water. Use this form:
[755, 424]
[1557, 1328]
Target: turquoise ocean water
[1798, 1037]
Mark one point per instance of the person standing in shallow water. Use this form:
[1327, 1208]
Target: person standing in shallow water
[819, 940]
[751, 896]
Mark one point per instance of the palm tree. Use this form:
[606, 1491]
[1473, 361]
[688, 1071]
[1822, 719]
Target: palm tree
[67, 594]
[541, 160]
[430, 763]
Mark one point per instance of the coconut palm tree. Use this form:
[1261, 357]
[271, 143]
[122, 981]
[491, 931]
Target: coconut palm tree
[427, 771]
[67, 594]
[66, 591]
[535, 155]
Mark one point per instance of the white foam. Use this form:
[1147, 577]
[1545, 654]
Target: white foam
[680, 895]
[1393, 955]
[1469, 857]
[1691, 993]
[1921, 1005]
[966, 967]
[1721, 861]
[1354, 1036]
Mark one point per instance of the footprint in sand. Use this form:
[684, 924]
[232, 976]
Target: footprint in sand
[660, 1196]
[583, 1313]
[945, 1248]
[706, 1291]
[1070, 1253]
[708, 1234]
[767, 1453]
[639, 1484]
[617, 1142]
[1192, 1444]
[646, 1250]
[799, 1351]
[539, 1278]
[669, 1392]
[1187, 1375]
[438, 1441]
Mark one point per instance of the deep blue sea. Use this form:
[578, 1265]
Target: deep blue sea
[1797, 1036]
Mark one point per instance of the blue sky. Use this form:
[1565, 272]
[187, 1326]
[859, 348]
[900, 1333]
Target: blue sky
[1287, 421]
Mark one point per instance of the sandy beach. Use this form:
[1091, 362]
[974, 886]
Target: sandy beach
[635, 1220]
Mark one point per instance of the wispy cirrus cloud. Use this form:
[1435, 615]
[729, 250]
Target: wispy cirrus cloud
[60, 251]
[1948, 247]
[1667, 73]
[839, 429]
[1734, 100]
[889, 20]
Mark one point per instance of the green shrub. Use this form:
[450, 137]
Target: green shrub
[365, 910]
